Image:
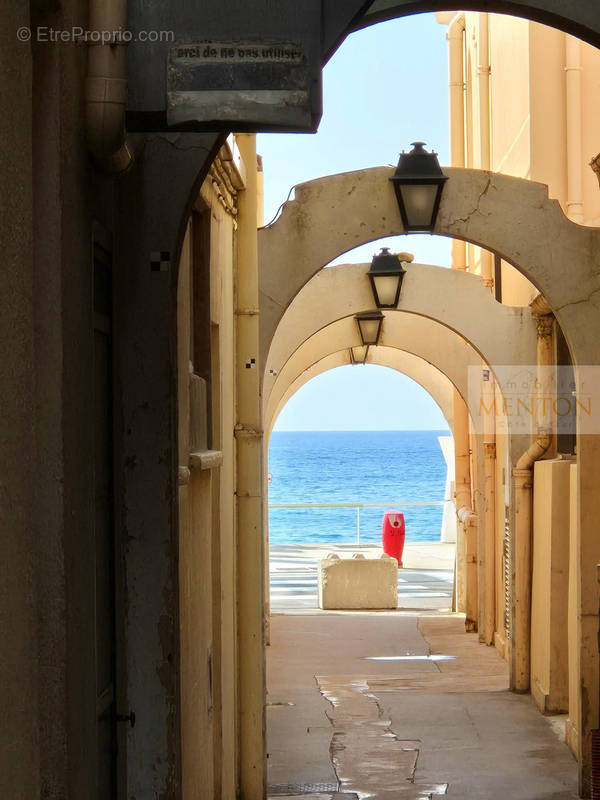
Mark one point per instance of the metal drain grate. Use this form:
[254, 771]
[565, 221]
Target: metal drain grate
[302, 788]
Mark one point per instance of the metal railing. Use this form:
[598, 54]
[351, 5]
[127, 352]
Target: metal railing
[357, 506]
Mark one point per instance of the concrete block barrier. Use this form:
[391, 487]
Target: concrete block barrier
[358, 582]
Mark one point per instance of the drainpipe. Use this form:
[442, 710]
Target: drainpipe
[574, 139]
[260, 218]
[523, 503]
[106, 88]
[483, 80]
[468, 527]
[488, 601]
[487, 584]
[465, 530]
[462, 454]
[483, 77]
[267, 564]
[466, 533]
[249, 490]
[456, 72]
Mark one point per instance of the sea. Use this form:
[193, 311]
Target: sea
[388, 467]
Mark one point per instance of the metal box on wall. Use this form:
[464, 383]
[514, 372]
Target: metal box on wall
[202, 65]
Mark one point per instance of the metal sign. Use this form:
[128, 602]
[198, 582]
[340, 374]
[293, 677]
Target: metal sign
[238, 82]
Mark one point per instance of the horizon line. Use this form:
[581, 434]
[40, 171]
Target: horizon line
[363, 430]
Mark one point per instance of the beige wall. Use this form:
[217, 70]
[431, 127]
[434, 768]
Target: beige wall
[590, 125]
[545, 126]
[529, 129]
[509, 95]
[207, 530]
[533, 134]
[548, 139]
[223, 418]
[195, 569]
[549, 599]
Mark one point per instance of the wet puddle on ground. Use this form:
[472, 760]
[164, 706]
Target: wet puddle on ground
[367, 756]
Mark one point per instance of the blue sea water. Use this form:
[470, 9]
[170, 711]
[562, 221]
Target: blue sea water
[391, 467]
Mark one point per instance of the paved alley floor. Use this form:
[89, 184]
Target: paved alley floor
[403, 705]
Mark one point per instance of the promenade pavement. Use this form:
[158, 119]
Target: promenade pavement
[424, 582]
[400, 705]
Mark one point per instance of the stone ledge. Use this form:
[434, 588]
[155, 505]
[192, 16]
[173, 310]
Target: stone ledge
[206, 459]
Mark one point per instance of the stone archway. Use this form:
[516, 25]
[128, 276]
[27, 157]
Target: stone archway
[296, 349]
[513, 218]
[406, 333]
[456, 300]
[430, 378]
[578, 18]
[510, 216]
[434, 382]
[426, 375]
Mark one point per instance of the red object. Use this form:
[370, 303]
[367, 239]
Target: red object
[392, 534]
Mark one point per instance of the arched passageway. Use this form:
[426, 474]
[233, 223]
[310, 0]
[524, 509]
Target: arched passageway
[384, 419]
[406, 331]
[474, 207]
[458, 301]
[511, 217]
[463, 218]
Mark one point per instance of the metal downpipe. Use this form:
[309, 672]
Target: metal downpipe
[106, 87]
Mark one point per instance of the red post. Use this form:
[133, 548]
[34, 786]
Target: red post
[392, 534]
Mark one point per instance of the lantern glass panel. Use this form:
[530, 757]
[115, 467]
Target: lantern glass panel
[359, 354]
[369, 330]
[386, 287]
[419, 203]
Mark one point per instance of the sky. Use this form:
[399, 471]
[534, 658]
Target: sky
[385, 87]
[361, 398]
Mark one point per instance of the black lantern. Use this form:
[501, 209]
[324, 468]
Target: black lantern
[358, 355]
[418, 183]
[369, 326]
[386, 276]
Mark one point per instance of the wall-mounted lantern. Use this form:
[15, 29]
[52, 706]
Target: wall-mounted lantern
[369, 326]
[418, 183]
[358, 355]
[386, 274]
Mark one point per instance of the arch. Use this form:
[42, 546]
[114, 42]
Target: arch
[513, 218]
[424, 338]
[458, 301]
[421, 337]
[430, 378]
[510, 216]
[579, 18]
[426, 375]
